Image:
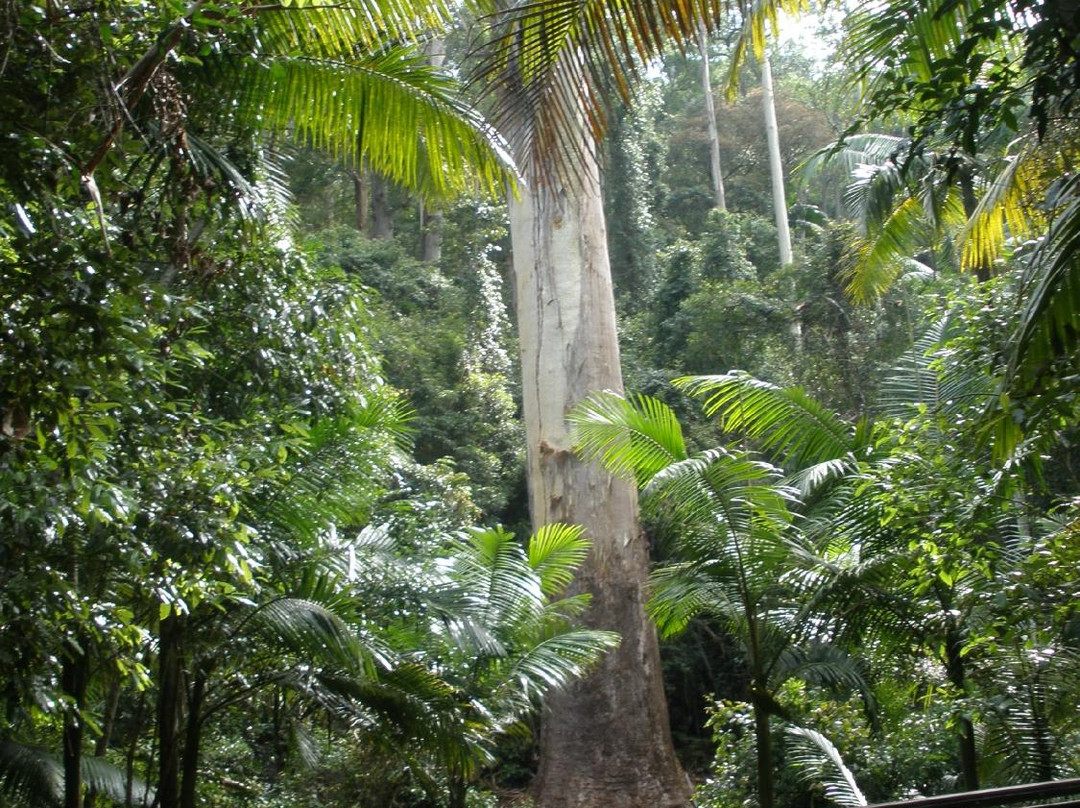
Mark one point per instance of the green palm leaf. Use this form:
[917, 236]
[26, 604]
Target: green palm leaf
[1002, 212]
[390, 108]
[328, 30]
[1049, 325]
[503, 594]
[722, 491]
[632, 437]
[818, 760]
[36, 777]
[554, 552]
[786, 422]
[554, 65]
[916, 380]
[555, 661]
[314, 633]
[685, 590]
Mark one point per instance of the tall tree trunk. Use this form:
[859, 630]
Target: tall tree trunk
[74, 674]
[431, 218]
[193, 737]
[360, 199]
[605, 740]
[776, 167]
[101, 746]
[382, 220]
[719, 200]
[971, 204]
[431, 229]
[957, 673]
[169, 710]
[763, 742]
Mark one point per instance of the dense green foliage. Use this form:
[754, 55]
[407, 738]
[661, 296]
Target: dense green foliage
[244, 445]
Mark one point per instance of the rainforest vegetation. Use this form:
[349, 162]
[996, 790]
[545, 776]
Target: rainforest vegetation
[566, 403]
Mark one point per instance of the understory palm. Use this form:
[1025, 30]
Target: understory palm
[920, 528]
[742, 559]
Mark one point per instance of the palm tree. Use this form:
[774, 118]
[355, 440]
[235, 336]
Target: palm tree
[349, 79]
[894, 588]
[741, 559]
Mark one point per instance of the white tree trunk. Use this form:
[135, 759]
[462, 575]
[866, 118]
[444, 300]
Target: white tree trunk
[605, 740]
[776, 168]
[719, 200]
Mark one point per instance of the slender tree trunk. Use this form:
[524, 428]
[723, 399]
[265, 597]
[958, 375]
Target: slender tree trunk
[431, 228]
[101, 746]
[169, 711]
[763, 742]
[605, 740]
[719, 200]
[431, 218]
[132, 749]
[957, 673]
[74, 674]
[193, 737]
[776, 167]
[457, 790]
[971, 204]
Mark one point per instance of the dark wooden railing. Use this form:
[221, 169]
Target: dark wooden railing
[993, 797]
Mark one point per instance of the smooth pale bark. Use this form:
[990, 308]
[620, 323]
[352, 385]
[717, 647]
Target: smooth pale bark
[605, 740]
[719, 201]
[431, 218]
[776, 168]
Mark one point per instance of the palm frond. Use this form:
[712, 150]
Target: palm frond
[632, 437]
[918, 379]
[826, 665]
[501, 588]
[880, 256]
[756, 14]
[1049, 326]
[682, 591]
[819, 761]
[1002, 212]
[785, 421]
[553, 66]
[329, 468]
[390, 108]
[330, 30]
[923, 34]
[314, 633]
[719, 493]
[35, 777]
[555, 661]
[555, 551]
[31, 774]
[867, 149]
